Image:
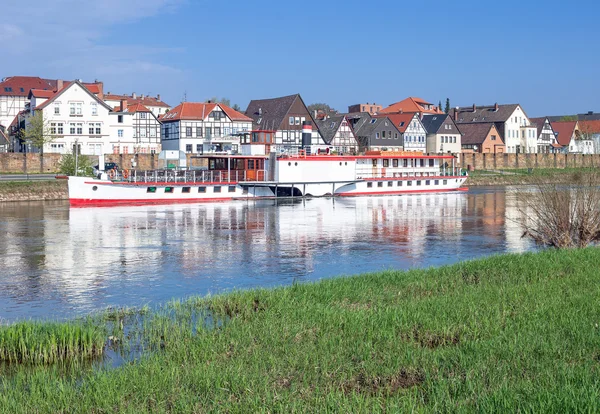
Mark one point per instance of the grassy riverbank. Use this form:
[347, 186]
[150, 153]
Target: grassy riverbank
[506, 333]
[33, 190]
[525, 177]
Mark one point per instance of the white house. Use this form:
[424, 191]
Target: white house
[443, 135]
[199, 128]
[546, 139]
[75, 116]
[157, 106]
[337, 132]
[412, 129]
[518, 133]
[570, 137]
[135, 129]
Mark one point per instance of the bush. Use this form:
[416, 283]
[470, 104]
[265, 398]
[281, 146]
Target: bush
[564, 217]
[84, 165]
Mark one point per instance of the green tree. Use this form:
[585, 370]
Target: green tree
[568, 118]
[37, 132]
[320, 107]
[224, 101]
[440, 105]
[236, 107]
[69, 163]
[447, 108]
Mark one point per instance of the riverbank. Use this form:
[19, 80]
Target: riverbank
[528, 177]
[41, 190]
[513, 332]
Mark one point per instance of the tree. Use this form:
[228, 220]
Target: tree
[320, 107]
[224, 101]
[447, 109]
[37, 131]
[568, 118]
[440, 105]
[69, 162]
[236, 107]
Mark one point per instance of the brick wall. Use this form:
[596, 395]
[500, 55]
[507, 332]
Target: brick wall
[480, 161]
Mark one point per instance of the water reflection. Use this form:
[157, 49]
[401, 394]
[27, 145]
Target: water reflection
[59, 262]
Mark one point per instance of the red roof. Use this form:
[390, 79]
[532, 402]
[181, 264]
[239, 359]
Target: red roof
[21, 85]
[199, 110]
[138, 107]
[565, 130]
[41, 93]
[401, 121]
[412, 104]
[146, 100]
[589, 127]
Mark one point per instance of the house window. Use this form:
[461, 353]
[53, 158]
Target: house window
[188, 131]
[120, 133]
[60, 128]
[53, 128]
[493, 137]
[382, 134]
[291, 120]
[199, 148]
[217, 131]
[91, 128]
[297, 119]
[142, 115]
[208, 132]
[94, 109]
[79, 129]
[143, 132]
[153, 132]
[120, 119]
[377, 135]
[72, 108]
[198, 131]
[56, 109]
[217, 115]
[188, 148]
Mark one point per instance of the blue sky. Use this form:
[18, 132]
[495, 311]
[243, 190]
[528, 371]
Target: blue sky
[544, 55]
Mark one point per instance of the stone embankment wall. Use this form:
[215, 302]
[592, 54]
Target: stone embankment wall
[15, 163]
[33, 190]
[514, 161]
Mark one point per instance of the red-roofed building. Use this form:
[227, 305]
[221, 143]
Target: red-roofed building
[135, 129]
[570, 137]
[14, 91]
[196, 127]
[155, 104]
[412, 104]
[412, 129]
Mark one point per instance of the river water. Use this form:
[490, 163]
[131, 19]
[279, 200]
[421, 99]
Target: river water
[60, 262]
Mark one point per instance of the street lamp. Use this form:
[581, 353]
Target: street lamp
[76, 156]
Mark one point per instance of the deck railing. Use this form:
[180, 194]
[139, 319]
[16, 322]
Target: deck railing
[408, 172]
[186, 176]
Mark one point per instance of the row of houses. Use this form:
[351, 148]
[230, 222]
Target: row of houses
[81, 116]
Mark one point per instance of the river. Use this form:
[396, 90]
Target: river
[59, 262]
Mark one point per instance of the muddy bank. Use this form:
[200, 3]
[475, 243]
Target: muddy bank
[33, 190]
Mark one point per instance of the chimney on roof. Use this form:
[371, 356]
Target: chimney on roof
[158, 97]
[260, 111]
[100, 89]
[590, 112]
[123, 105]
[456, 111]
[474, 108]
[59, 84]
[134, 96]
[142, 96]
[496, 107]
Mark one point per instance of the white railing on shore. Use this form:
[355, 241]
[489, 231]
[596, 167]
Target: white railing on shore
[187, 176]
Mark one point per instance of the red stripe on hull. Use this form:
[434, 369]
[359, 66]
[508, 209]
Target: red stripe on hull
[366, 193]
[82, 202]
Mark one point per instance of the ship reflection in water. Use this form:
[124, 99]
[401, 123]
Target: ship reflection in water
[60, 262]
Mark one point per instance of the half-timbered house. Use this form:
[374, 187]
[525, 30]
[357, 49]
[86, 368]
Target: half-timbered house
[337, 132]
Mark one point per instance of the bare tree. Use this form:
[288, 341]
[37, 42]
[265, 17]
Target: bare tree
[37, 132]
[564, 216]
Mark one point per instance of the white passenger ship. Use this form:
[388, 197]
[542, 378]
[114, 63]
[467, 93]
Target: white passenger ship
[252, 176]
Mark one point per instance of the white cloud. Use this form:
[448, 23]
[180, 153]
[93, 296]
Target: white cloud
[66, 38]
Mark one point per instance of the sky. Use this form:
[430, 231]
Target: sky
[543, 55]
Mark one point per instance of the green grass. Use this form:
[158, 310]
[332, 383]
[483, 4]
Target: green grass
[507, 333]
[50, 342]
[523, 176]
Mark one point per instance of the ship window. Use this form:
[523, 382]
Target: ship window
[217, 189]
[151, 190]
[445, 182]
[168, 189]
[418, 182]
[394, 163]
[202, 189]
[422, 162]
[399, 183]
[431, 163]
[186, 189]
[427, 182]
[437, 182]
[95, 188]
[380, 184]
[374, 162]
[231, 189]
[369, 185]
[390, 183]
[409, 183]
[386, 163]
[250, 164]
